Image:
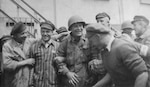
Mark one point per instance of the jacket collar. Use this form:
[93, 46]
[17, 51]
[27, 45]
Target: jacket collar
[110, 43]
[83, 42]
[50, 42]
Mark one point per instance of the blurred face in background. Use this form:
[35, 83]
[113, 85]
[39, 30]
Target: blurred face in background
[139, 27]
[104, 21]
[46, 34]
[77, 29]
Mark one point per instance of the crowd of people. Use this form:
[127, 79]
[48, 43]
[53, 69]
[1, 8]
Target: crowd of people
[84, 55]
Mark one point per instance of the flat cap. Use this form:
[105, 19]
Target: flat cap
[140, 18]
[102, 15]
[47, 25]
[18, 28]
[97, 28]
[127, 25]
[61, 29]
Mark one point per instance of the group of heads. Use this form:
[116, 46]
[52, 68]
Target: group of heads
[19, 32]
[100, 33]
[138, 26]
[76, 26]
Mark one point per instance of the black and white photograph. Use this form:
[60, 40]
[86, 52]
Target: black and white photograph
[74, 43]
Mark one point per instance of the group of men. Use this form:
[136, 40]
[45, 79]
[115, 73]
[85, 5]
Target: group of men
[101, 57]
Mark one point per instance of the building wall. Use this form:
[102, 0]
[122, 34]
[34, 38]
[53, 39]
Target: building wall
[59, 11]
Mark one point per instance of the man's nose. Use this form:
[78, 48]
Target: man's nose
[44, 33]
[79, 28]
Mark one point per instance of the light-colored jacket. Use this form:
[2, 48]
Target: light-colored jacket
[12, 54]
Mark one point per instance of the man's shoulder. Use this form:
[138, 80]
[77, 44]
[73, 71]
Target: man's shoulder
[123, 44]
[9, 43]
[56, 44]
[35, 43]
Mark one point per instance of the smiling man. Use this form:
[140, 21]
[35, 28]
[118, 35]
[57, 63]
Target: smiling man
[43, 51]
[72, 62]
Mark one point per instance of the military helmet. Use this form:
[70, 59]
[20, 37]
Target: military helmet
[75, 19]
[127, 25]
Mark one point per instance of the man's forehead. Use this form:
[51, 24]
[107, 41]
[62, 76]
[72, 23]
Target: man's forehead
[46, 29]
[75, 24]
[103, 18]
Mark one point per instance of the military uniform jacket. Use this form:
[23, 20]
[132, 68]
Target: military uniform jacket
[75, 57]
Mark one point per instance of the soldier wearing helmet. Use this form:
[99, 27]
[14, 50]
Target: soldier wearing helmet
[71, 59]
[128, 31]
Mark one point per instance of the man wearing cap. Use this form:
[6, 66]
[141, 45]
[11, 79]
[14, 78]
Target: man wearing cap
[95, 65]
[72, 59]
[15, 58]
[128, 31]
[128, 34]
[141, 28]
[43, 51]
[104, 19]
[62, 33]
[120, 58]
[143, 33]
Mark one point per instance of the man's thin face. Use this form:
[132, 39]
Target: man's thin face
[104, 21]
[77, 29]
[46, 34]
[138, 27]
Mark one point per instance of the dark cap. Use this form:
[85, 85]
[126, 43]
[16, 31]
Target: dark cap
[102, 15]
[47, 25]
[97, 28]
[61, 29]
[140, 18]
[18, 28]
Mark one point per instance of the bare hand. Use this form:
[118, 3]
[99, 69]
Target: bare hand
[30, 61]
[73, 78]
